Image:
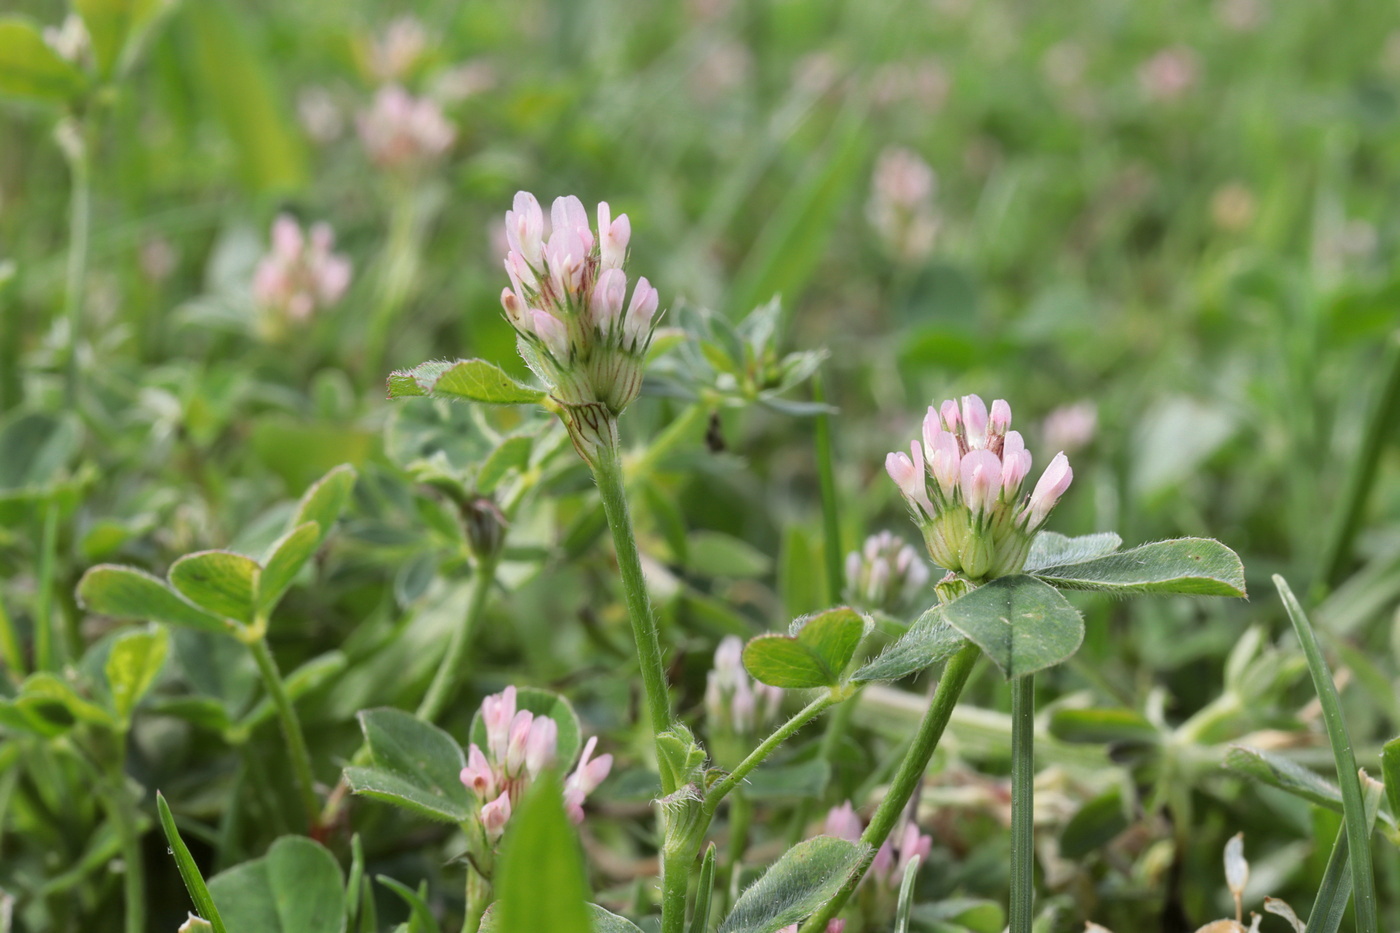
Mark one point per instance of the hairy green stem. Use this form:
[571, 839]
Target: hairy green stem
[1022, 803]
[756, 757]
[72, 139]
[449, 673]
[478, 899]
[134, 877]
[291, 727]
[607, 472]
[906, 780]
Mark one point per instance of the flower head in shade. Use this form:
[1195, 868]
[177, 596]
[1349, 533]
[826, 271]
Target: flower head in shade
[894, 855]
[519, 746]
[299, 274]
[901, 204]
[569, 302]
[963, 482]
[885, 573]
[735, 704]
[402, 131]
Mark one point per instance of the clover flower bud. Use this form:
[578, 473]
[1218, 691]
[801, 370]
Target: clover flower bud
[494, 816]
[585, 779]
[613, 236]
[963, 483]
[1048, 490]
[979, 481]
[844, 823]
[525, 229]
[885, 574]
[541, 746]
[1000, 419]
[974, 414]
[497, 713]
[568, 305]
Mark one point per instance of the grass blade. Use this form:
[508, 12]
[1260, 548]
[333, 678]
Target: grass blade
[1332, 895]
[704, 893]
[189, 871]
[1353, 804]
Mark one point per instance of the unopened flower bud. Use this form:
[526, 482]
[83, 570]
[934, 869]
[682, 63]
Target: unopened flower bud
[885, 574]
[974, 413]
[980, 480]
[485, 525]
[843, 823]
[494, 816]
[1051, 486]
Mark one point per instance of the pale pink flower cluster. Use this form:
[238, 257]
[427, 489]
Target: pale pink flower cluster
[894, 855]
[963, 484]
[901, 204]
[300, 273]
[519, 747]
[568, 301]
[733, 702]
[1170, 73]
[400, 130]
[886, 573]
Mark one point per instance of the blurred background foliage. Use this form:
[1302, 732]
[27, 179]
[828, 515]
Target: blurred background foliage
[1178, 216]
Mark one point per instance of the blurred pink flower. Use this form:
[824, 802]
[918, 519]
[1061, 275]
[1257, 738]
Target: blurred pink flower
[1170, 73]
[392, 55]
[299, 273]
[400, 130]
[1070, 427]
[320, 115]
[901, 205]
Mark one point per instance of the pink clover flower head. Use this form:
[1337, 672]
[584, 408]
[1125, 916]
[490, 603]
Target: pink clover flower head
[568, 301]
[734, 703]
[299, 274]
[394, 53]
[520, 746]
[886, 573]
[963, 482]
[400, 131]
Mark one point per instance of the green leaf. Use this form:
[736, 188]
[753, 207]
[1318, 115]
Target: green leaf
[1102, 726]
[512, 454]
[189, 871]
[132, 665]
[242, 92]
[605, 921]
[29, 68]
[222, 582]
[1095, 824]
[475, 380]
[796, 886]
[128, 593]
[1194, 566]
[49, 706]
[296, 888]
[704, 893]
[1023, 625]
[540, 855]
[285, 559]
[541, 703]
[35, 447]
[929, 641]
[1358, 826]
[422, 919]
[1390, 772]
[816, 656]
[1280, 772]
[1050, 549]
[326, 499]
[416, 766]
[784, 782]
[109, 23]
